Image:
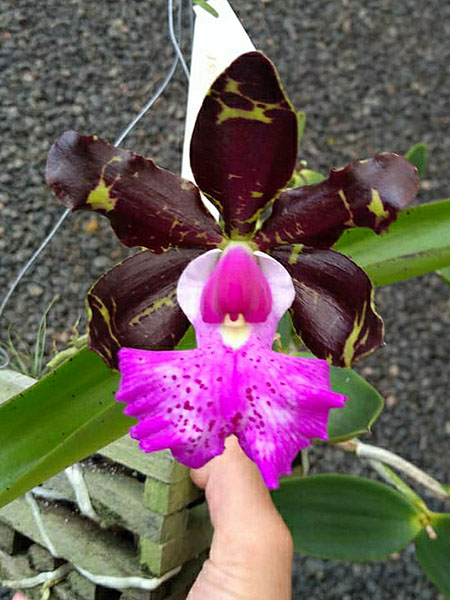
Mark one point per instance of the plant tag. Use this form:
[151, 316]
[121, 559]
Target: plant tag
[217, 42]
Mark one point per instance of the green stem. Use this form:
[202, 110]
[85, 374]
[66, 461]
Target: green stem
[397, 462]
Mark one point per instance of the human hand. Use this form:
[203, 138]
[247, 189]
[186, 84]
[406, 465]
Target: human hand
[251, 551]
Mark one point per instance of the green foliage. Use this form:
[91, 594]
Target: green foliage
[417, 155]
[433, 553]
[363, 407]
[188, 341]
[301, 123]
[305, 177]
[204, 4]
[346, 518]
[418, 242]
[444, 274]
[24, 361]
[63, 418]
[285, 333]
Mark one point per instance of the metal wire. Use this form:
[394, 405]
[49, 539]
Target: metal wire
[178, 58]
[172, 35]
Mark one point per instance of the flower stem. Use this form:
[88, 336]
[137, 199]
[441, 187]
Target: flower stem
[397, 462]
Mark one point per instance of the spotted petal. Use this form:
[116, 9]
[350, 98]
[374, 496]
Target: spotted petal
[134, 304]
[333, 311]
[285, 402]
[366, 193]
[244, 143]
[146, 205]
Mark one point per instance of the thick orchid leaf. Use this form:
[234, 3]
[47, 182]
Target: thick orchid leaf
[417, 243]
[366, 193]
[346, 518]
[433, 553]
[147, 206]
[417, 155]
[363, 407]
[63, 418]
[444, 274]
[244, 144]
[333, 310]
[134, 304]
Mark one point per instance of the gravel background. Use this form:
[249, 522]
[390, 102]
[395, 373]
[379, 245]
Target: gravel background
[372, 76]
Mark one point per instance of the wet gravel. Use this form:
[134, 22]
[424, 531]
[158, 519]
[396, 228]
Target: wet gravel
[372, 76]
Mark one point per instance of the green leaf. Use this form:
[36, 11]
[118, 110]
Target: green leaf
[305, 177]
[301, 122]
[204, 4]
[308, 177]
[417, 155]
[434, 554]
[346, 518]
[286, 332]
[61, 419]
[418, 242]
[188, 341]
[363, 407]
[444, 274]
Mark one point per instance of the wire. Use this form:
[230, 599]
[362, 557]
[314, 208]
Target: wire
[22, 272]
[173, 38]
[178, 58]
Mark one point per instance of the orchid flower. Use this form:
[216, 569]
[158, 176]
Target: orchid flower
[233, 283]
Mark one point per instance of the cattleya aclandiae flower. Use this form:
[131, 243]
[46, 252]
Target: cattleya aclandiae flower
[243, 153]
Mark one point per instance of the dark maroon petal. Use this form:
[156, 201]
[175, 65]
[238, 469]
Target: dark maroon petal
[244, 143]
[135, 305]
[367, 193]
[147, 206]
[333, 311]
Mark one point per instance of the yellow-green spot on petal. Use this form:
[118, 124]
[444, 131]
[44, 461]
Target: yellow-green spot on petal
[100, 197]
[376, 205]
[294, 254]
[257, 114]
[168, 300]
[103, 310]
[350, 342]
[343, 197]
[257, 194]
[232, 86]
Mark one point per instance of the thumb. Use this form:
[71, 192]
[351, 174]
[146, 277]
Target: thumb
[235, 490]
[251, 551]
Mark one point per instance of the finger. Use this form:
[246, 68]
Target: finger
[234, 487]
[251, 552]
